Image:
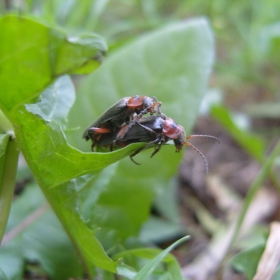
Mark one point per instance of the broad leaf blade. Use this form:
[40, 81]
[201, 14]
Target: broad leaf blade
[35, 234]
[35, 54]
[49, 156]
[172, 64]
[55, 102]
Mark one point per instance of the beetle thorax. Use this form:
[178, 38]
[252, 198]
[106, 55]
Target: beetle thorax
[171, 129]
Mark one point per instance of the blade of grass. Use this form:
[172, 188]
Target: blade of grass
[147, 270]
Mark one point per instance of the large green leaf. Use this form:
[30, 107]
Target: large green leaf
[34, 234]
[43, 142]
[49, 156]
[172, 64]
[55, 101]
[102, 195]
[36, 58]
[33, 54]
[54, 163]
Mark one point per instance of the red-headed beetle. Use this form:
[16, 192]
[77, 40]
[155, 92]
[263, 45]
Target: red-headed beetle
[122, 112]
[156, 130]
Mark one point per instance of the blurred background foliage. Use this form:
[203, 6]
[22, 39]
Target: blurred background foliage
[246, 34]
[243, 95]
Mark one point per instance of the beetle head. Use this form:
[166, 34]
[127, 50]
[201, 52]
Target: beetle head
[149, 105]
[143, 104]
[180, 141]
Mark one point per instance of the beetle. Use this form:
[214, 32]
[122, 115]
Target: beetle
[156, 130]
[127, 110]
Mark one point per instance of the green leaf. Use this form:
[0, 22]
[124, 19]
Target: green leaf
[172, 64]
[53, 162]
[160, 230]
[147, 270]
[30, 237]
[51, 159]
[5, 125]
[56, 101]
[82, 55]
[126, 271]
[171, 266]
[35, 54]
[167, 63]
[247, 261]
[101, 194]
[36, 59]
[251, 143]
[63, 201]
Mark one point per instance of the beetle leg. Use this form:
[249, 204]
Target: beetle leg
[147, 128]
[135, 153]
[157, 149]
[158, 104]
[135, 120]
[122, 134]
[93, 145]
[131, 157]
[160, 142]
[126, 128]
[111, 146]
[157, 141]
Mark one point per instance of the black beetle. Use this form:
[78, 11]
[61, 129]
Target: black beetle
[119, 114]
[155, 130]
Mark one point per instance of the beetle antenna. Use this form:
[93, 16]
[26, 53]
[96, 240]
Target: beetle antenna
[206, 136]
[201, 154]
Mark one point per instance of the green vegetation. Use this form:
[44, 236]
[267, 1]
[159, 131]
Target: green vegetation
[84, 214]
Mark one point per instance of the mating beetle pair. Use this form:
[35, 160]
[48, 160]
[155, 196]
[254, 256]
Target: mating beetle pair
[121, 125]
[119, 114]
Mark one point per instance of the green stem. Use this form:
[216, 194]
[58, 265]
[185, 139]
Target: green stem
[5, 125]
[7, 184]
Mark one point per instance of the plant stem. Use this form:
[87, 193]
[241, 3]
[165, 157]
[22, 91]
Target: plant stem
[7, 184]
